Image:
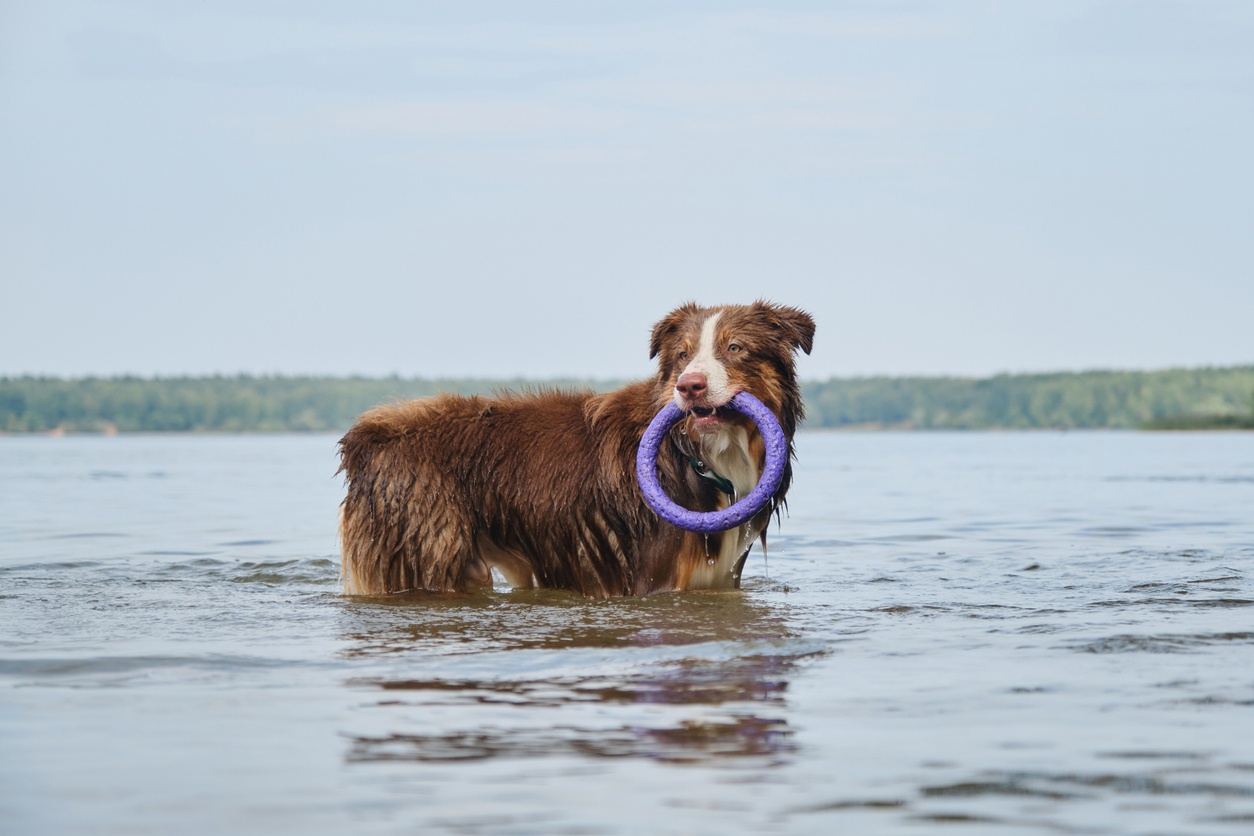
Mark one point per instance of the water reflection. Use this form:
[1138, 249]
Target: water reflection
[548, 619]
[681, 679]
[689, 742]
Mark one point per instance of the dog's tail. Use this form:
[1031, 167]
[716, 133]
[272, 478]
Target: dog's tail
[397, 529]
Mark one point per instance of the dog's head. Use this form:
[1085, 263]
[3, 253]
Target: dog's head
[708, 355]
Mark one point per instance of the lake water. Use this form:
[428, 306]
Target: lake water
[984, 632]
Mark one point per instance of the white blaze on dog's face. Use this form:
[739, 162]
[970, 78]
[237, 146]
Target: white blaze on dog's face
[703, 384]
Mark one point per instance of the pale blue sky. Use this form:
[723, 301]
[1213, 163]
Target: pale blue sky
[492, 189]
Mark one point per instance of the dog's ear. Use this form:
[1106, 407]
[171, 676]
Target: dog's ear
[797, 325]
[668, 325]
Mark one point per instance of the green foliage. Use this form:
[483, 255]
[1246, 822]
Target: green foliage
[1186, 398]
[1099, 399]
[210, 404]
[1201, 422]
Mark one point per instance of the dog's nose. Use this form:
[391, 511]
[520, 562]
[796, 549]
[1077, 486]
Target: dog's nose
[691, 385]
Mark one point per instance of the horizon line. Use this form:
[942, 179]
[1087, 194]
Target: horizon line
[244, 375]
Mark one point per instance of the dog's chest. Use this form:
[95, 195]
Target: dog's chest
[727, 454]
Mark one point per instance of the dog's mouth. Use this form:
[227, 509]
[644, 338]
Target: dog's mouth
[706, 418]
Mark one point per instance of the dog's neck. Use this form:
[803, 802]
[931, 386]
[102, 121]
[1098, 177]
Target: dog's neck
[726, 452]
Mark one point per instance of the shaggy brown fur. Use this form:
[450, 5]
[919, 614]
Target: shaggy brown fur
[542, 485]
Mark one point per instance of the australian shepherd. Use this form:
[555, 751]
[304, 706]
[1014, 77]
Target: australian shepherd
[541, 486]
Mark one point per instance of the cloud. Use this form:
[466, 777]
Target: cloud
[1161, 27]
[467, 119]
[851, 27]
[713, 93]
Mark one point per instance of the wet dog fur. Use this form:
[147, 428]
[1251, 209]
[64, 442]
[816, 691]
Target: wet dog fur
[541, 486]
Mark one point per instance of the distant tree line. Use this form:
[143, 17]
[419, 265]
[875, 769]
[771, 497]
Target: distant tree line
[213, 404]
[1171, 399]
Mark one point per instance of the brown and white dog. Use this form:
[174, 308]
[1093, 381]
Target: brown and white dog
[542, 486]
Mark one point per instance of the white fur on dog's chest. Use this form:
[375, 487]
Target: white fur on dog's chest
[726, 452]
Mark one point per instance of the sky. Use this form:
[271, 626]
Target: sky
[502, 189]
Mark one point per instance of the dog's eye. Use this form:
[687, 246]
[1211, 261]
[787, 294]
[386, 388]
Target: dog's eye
[683, 355]
[733, 348]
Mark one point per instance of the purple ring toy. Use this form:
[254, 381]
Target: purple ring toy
[710, 521]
